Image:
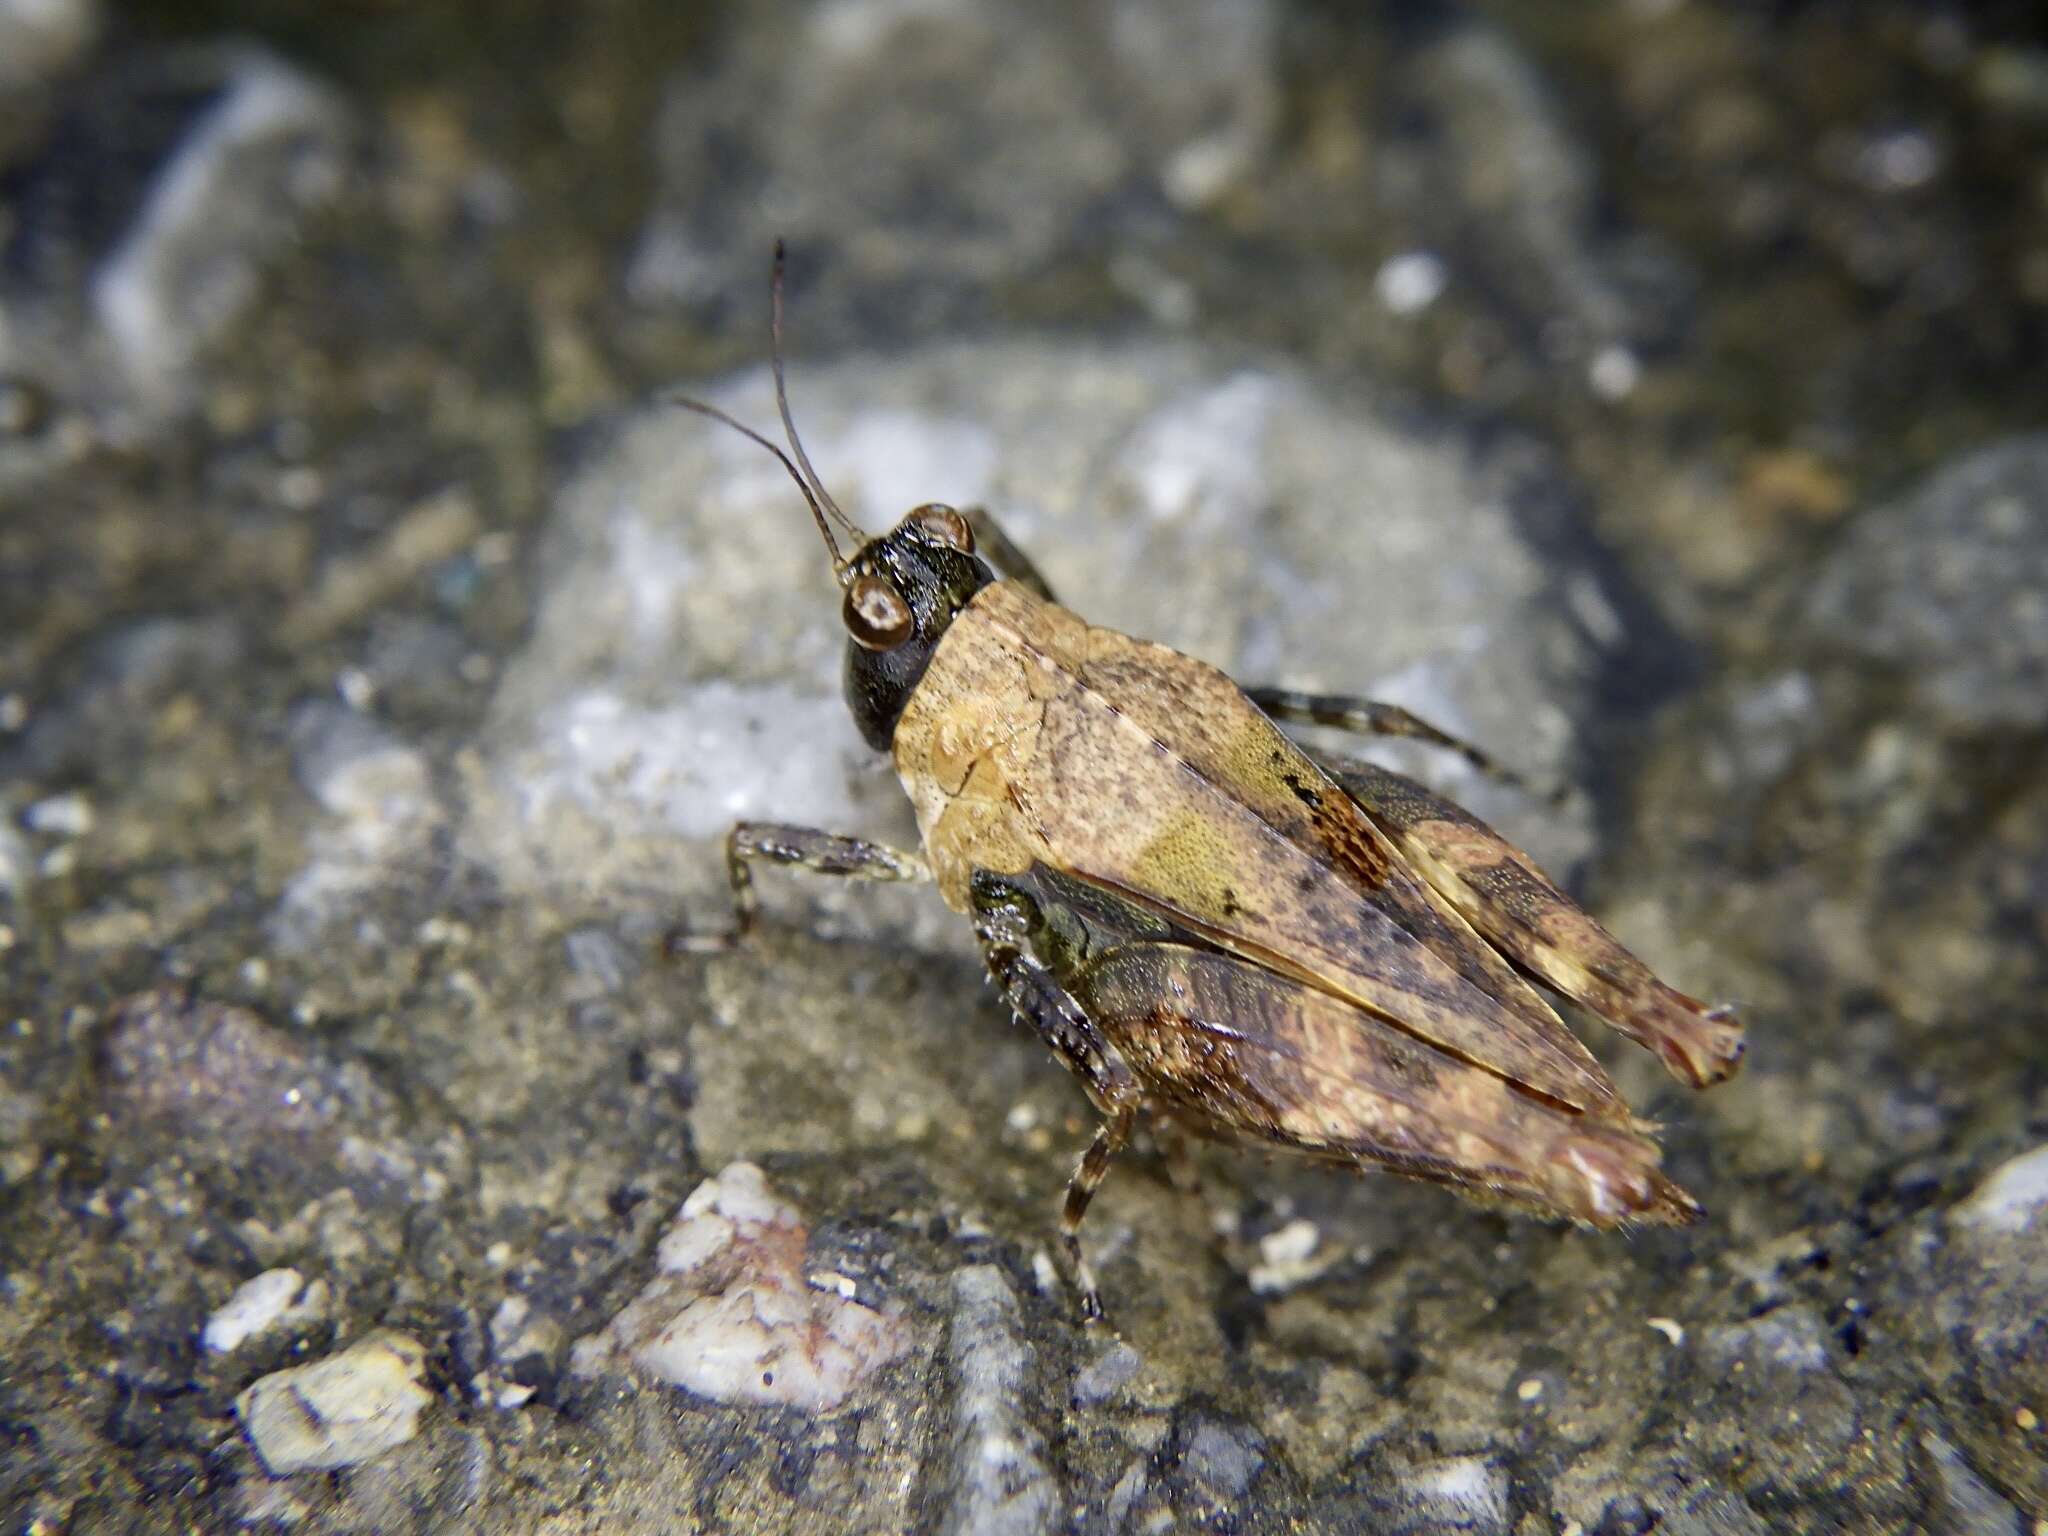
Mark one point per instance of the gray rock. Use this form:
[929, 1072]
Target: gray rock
[41, 39]
[124, 677]
[2011, 1198]
[350, 1407]
[1966, 1504]
[1453, 1493]
[1511, 165]
[683, 669]
[1223, 1460]
[129, 307]
[998, 1481]
[17, 861]
[1947, 588]
[214, 1089]
[598, 954]
[1107, 1374]
[964, 144]
[381, 807]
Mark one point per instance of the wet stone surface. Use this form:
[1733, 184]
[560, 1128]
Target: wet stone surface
[381, 664]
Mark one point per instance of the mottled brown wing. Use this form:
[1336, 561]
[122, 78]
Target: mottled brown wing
[1230, 1047]
[1153, 776]
[1508, 899]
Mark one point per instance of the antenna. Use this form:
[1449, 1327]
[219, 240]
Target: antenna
[782, 400]
[817, 512]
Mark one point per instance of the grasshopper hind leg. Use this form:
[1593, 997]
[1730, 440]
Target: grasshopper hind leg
[1371, 717]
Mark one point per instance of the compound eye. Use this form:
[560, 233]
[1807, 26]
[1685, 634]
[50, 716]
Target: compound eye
[946, 526]
[876, 615]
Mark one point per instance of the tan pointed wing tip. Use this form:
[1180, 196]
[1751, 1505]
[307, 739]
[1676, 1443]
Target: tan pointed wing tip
[1608, 1178]
[1699, 1045]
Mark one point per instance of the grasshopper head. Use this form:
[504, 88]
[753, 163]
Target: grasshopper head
[902, 590]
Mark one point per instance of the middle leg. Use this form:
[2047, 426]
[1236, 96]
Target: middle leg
[1032, 990]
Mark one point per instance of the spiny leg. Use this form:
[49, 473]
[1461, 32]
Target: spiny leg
[823, 853]
[1371, 717]
[1003, 920]
[1500, 891]
[1109, 1140]
[1040, 1001]
[990, 539]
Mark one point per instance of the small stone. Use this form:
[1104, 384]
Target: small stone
[1409, 283]
[379, 795]
[1670, 1327]
[1457, 1493]
[1963, 1500]
[1107, 1374]
[339, 1411]
[1614, 373]
[1000, 1480]
[598, 954]
[277, 1298]
[526, 1345]
[17, 863]
[2011, 1198]
[731, 1315]
[1224, 1458]
[269, 152]
[1530, 1389]
[60, 816]
[1944, 585]
[1288, 1257]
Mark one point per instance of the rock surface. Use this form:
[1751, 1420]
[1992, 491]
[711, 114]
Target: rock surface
[1656, 402]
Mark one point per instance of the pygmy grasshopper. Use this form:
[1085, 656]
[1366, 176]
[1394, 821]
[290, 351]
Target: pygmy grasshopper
[1207, 922]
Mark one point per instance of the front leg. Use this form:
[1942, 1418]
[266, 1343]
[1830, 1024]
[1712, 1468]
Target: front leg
[822, 853]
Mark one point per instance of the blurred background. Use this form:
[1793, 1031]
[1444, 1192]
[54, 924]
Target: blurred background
[1652, 390]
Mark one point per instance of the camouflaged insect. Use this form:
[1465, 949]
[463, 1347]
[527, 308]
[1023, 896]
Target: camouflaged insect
[1208, 922]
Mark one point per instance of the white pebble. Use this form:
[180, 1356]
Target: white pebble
[1291, 1244]
[1288, 1258]
[1615, 373]
[2010, 1199]
[1409, 283]
[274, 1299]
[338, 1411]
[732, 1315]
[61, 816]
